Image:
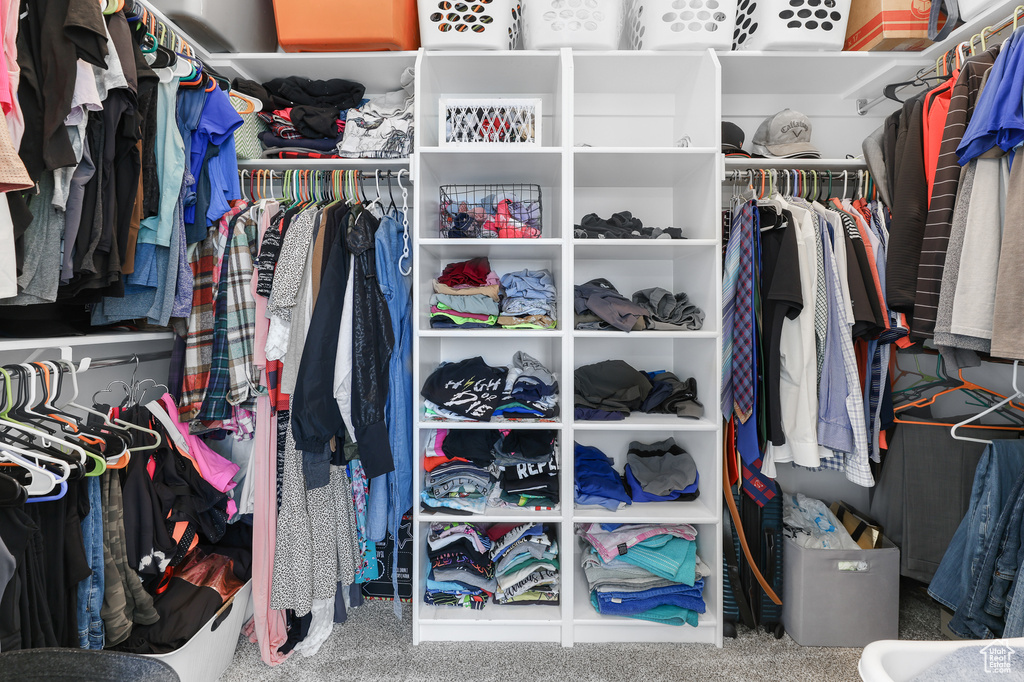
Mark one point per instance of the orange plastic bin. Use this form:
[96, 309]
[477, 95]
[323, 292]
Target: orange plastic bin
[346, 25]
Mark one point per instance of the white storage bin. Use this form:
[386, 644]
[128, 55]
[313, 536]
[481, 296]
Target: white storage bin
[210, 651]
[579, 24]
[970, 9]
[499, 122]
[469, 24]
[791, 25]
[681, 24]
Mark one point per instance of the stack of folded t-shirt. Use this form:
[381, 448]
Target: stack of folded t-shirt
[599, 305]
[528, 300]
[472, 390]
[469, 470]
[612, 389]
[469, 295]
[622, 225]
[597, 482]
[645, 571]
[661, 472]
[457, 470]
[303, 117]
[465, 296]
[525, 561]
[526, 465]
[461, 571]
[654, 472]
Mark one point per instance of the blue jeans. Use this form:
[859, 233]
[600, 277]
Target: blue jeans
[980, 614]
[994, 480]
[90, 590]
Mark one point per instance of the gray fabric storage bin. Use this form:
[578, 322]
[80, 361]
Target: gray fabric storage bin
[825, 606]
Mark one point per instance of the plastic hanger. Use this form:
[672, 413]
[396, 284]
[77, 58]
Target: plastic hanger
[43, 480]
[405, 228]
[1017, 394]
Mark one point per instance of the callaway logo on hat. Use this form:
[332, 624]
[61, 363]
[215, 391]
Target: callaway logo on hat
[786, 134]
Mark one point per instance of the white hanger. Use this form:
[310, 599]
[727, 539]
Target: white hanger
[1017, 394]
[10, 452]
[42, 482]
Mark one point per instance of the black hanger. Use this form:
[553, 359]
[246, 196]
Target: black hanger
[889, 90]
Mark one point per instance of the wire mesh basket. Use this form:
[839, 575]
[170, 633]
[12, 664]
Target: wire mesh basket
[499, 122]
[506, 211]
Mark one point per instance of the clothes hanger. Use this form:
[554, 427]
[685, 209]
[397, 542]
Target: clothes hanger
[48, 443]
[1017, 394]
[42, 482]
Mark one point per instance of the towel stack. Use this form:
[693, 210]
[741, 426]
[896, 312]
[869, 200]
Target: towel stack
[644, 571]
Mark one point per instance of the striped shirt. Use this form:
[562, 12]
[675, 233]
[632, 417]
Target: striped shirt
[944, 191]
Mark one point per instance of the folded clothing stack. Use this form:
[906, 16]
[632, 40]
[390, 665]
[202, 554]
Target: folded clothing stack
[599, 305]
[528, 300]
[597, 482]
[525, 561]
[655, 472]
[622, 225]
[469, 295]
[526, 464]
[465, 296]
[469, 470]
[330, 119]
[472, 390]
[644, 571]
[461, 571]
[612, 389]
[457, 467]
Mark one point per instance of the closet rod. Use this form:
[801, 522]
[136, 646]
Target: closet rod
[864, 106]
[745, 174]
[129, 359]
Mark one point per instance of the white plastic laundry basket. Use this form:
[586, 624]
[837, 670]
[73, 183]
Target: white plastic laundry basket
[681, 24]
[791, 25]
[469, 25]
[970, 9]
[579, 24]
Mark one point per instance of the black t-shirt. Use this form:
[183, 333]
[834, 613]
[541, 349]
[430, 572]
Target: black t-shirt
[470, 388]
[858, 274]
[782, 298]
[476, 446]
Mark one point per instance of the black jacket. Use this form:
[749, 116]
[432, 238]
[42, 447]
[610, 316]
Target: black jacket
[315, 415]
[372, 342]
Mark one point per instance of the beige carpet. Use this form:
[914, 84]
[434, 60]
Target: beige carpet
[373, 646]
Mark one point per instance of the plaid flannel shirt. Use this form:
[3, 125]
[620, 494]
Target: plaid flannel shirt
[199, 339]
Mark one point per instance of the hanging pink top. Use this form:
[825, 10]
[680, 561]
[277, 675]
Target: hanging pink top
[216, 470]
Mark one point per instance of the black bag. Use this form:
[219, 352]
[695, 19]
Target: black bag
[381, 587]
[745, 601]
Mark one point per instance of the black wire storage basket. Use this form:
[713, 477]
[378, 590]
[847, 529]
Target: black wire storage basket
[490, 211]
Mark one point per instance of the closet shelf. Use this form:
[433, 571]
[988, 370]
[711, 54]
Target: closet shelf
[799, 164]
[647, 151]
[103, 339]
[489, 425]
[822, 74]
[641, 421]
[379, 72]
[645, 335]
[325, 164]
[493, 248]
[493, 614]
[493, 516]
[639, 249]
[693, 512]
[493, 333]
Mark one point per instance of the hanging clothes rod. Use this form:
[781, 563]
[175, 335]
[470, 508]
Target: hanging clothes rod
[1012, 21]
[747, 173]
[129, 359]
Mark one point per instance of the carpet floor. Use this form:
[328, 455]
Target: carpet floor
[373, 645]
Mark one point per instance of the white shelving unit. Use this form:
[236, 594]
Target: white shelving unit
[630, 117]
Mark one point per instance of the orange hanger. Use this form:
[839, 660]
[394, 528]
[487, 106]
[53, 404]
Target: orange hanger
[964, 385]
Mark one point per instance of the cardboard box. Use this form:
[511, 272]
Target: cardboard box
[864, 531]
[888, 26]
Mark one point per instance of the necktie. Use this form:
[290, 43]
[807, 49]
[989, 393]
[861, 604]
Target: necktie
[743, 316]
